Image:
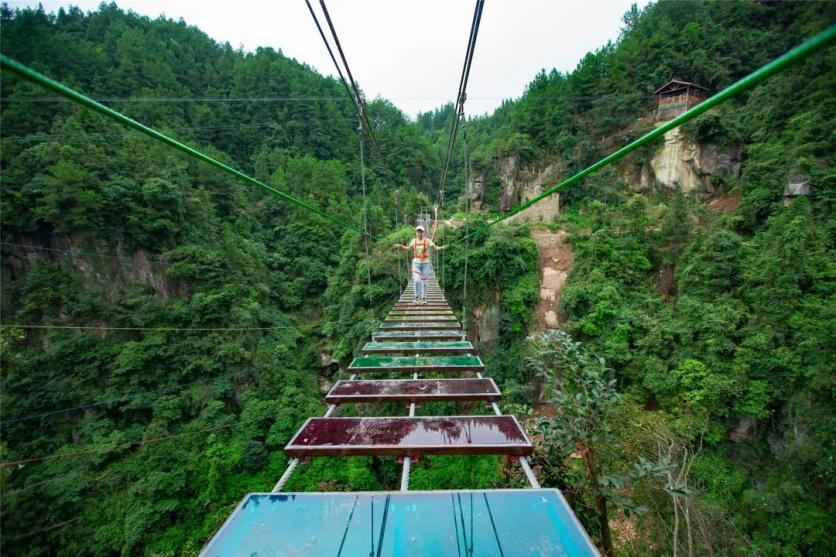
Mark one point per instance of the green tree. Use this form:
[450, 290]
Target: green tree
[585, 400]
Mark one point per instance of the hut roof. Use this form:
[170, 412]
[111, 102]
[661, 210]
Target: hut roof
[677, 84]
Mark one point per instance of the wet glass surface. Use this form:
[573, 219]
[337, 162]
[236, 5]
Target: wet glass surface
[511, 523]
[403, 435]
[429, 306]
[411, 317]
[424, 315]
[413, 389]
[419, 325]
[463, 362]
[419, 346]
[423, 308]
[439, 334]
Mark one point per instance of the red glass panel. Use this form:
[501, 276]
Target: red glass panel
[409, 436]
[413, 390]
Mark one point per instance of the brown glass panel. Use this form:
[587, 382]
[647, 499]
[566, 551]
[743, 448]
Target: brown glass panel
[409, 436]
[413, 390]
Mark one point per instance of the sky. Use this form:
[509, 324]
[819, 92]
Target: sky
[409, 52]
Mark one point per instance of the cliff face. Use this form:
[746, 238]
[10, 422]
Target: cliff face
[693, 166]
[485, 322]
[681, 161]
[476, 185]
[519, 183]
[103, 269]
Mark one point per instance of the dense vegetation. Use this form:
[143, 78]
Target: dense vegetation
[705, 405]
[717, 328]
[147, 419]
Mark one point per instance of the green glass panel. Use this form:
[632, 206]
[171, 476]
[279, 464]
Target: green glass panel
[422, 309]
[410, 335]
[417, 346]
[421, 318]
[407, 325]
[387, 362]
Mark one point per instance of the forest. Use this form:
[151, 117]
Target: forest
[167, 329]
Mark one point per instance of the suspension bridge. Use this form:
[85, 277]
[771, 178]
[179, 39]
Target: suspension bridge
[427, 344]
[418, 355]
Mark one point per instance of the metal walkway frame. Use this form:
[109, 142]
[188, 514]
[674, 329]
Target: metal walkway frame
[415, 338]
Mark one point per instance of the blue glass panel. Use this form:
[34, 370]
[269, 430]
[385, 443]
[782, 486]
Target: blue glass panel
[510, 523]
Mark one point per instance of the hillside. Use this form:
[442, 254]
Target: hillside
[192, 323]
[710, 298]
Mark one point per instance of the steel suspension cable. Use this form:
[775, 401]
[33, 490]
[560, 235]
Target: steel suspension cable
[353, 92]
[181, 99]
[804, 50]
[461, 95]
[152, 329]
[57, 87]
[351, 79]
[101, 402]
[119, 446]
[79, 253]
[366, 223]
[42, 136]
[466, 224]
[8, 99]
[397, 226]
[351, 95]
[441, 265]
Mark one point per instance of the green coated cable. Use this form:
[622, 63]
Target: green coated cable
[57, 87]
[805, 49]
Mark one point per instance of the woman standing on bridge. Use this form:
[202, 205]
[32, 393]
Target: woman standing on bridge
[420, 246]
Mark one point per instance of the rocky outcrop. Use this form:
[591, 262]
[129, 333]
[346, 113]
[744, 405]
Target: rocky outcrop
[520, 184]
[691, 165]
[101, 265]
[476, 190]
[745, 430]
[681, 161]
[508, 168]
[485, 319]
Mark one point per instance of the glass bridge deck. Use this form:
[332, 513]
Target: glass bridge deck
[410, 436]
[490, 523]
[425, 364]
[441, 347]
[413, 390]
